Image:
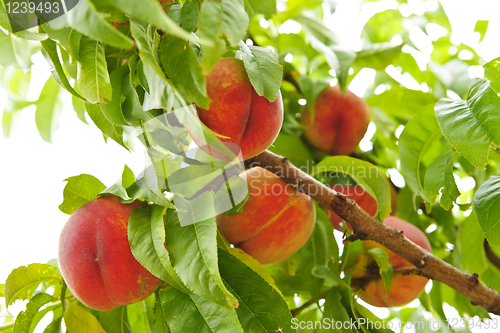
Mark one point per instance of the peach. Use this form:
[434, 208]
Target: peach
[339, 122]
[236, 110]
[362, 198]
[95, 258]
[276, 220]
[404, 288]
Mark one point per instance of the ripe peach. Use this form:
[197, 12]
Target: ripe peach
[362, 198]
[404, 288]
[339, 122]
[95, 257]
[238, 112]
[276, 220]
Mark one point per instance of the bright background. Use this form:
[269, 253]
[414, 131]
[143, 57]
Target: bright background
[33, 171]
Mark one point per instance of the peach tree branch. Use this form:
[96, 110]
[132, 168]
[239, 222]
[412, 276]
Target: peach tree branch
[365, 227]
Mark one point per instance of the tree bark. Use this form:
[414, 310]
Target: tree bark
[365, 227]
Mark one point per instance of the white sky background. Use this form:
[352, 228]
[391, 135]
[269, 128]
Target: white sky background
[33, 171]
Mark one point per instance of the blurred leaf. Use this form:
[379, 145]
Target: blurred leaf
[54, 326]
[79, 320]
[192, 313]
[195, 259]
[401, 102]
[115, 321]
[139, 317]
[291, 147]
[146, 234]
[471, 126]
[311, 88]
[48, 110]
[263, 69]
[262, 308]
[112, 110]
[22, 282]
[486, 202]
[492, 73]
[471, 246]
[363, 173]
[234, 20]
[93, 76]
[481, 27]
[78, 191]
[255, 7]
[189, 16]
[79, 107]
[385, 269]
[421, 133]
[15, 51]
[106, 127]
[49, 51]
[86, 19]
[335, 310]
[24, 319]
[378, 56]
[182, 66]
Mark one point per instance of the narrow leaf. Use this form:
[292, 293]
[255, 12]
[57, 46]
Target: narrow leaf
[48, 110]
[112, 110]
[25, 318]
[487, 206]
[107, 128]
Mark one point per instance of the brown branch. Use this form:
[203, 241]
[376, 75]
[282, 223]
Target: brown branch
[492, 257]
[368, 228]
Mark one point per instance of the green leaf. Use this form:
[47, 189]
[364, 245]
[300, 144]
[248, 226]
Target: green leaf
[263, 69]
[112, 110]
[311, 88]
[49, 50]
[421, 134]
[209, 25]
[291, 147]
[119, 189]
[385, 269]
[189, 16]
[378, 56]
[93, 76]
[48, 110]
[15, 52]
[86, 19]
[79, 107]
[262, 309]
[151, 11]
[255, 7]
[492, 73]
[78, 191]
[106, 127]
[234, 20]
[486, 203]
[363, 173]
[471, 126]
[193, 251]
[192, 313]
[54, 326]
[23, 281]
[115, 321]
[401, 102]
[471, 246]
[24, 319]
[335, 310]
[182, 66]
[434, 180]
[146, 234]
[79, 320]
[148, 40]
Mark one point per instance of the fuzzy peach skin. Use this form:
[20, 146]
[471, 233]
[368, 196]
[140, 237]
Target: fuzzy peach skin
[362, 198]
[238, 112]
[95, 258]
[339, 122]
[404, 289]
[276, 220]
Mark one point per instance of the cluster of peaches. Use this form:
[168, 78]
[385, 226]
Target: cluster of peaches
[275, 221]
